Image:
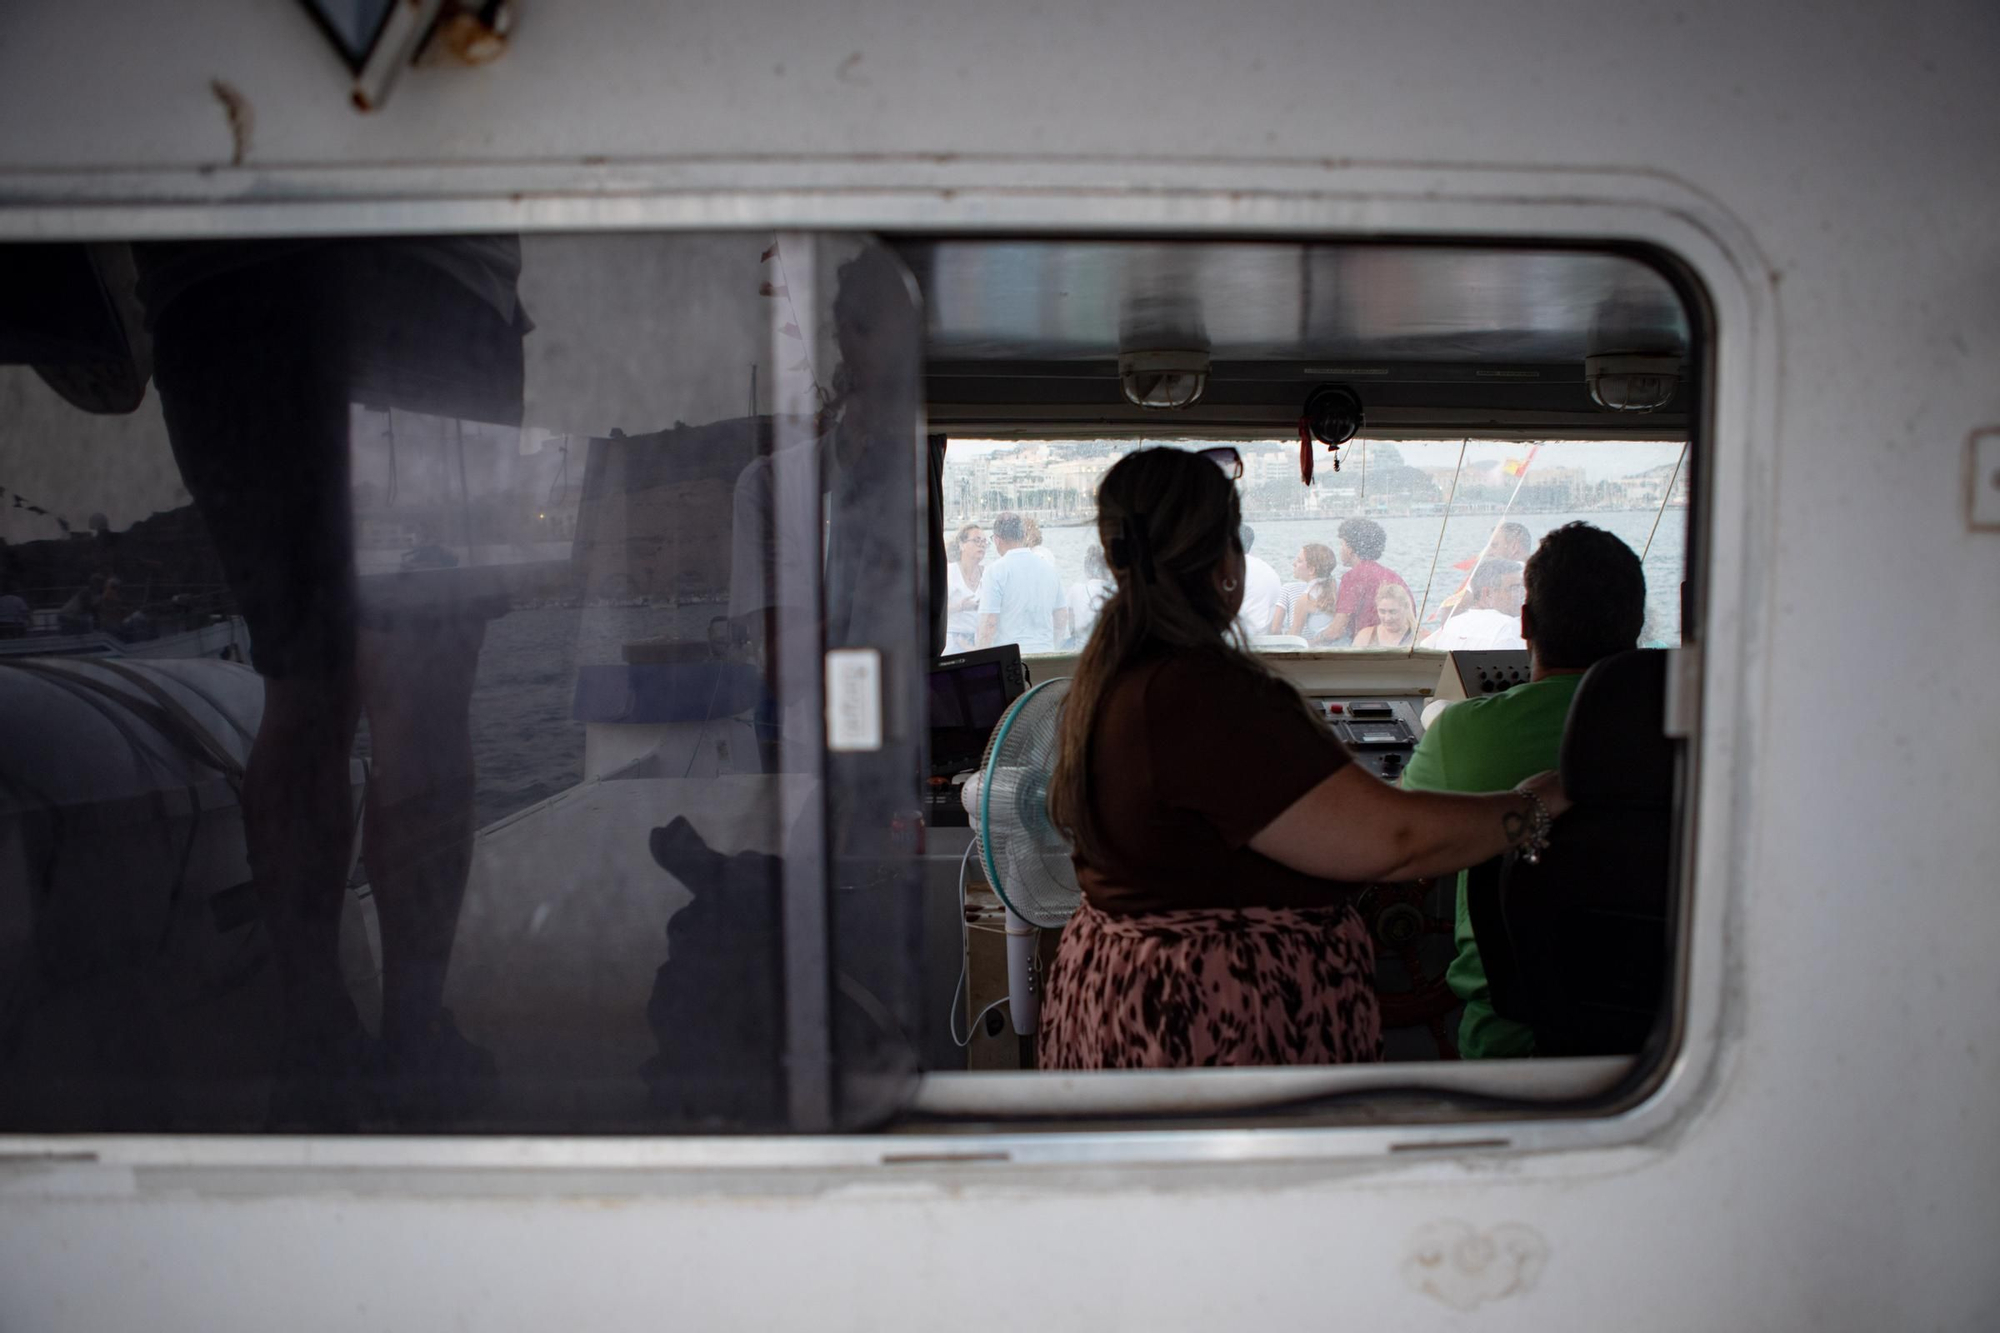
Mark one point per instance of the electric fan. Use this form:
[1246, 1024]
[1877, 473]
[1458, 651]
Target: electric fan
[1026, 858]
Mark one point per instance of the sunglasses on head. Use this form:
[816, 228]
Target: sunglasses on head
[1225, 457]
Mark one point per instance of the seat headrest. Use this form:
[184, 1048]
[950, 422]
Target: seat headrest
[1614, 748]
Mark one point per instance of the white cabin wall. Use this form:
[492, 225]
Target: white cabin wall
[1844, 1172]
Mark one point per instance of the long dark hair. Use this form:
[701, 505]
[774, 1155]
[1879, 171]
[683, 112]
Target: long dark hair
[1166, 518]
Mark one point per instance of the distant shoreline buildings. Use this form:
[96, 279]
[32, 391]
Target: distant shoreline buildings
[1056, 481]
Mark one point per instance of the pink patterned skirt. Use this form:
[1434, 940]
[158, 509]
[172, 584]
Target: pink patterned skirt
[1247, 986]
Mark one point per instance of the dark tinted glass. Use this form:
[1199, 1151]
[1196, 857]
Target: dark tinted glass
[417, 699]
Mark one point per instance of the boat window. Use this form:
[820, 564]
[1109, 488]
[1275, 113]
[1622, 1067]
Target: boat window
[489, 683]
[1421, 516]
[461, 682]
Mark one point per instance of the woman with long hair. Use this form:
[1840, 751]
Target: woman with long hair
[1219, 830]
[962, 592]
[1312, 613]
[1314, 564]
[1395, 619]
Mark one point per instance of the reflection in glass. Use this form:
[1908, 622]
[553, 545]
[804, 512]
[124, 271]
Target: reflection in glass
[520, 816]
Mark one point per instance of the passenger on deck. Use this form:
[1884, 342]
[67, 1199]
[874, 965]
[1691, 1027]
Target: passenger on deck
[1495, 618]
[1219, 829]
[1313, 611]
[1395, 619]
[1261, 586]
[1021, 596]
[1087, 597]
[111, 608]
[962, 596]
[1031, 531]
[1586, 599]
[1508, 541]
[1362, 541]
[1315, 561]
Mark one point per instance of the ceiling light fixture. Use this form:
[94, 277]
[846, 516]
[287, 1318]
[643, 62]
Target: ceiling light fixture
[1164, 380]
[1628, 382]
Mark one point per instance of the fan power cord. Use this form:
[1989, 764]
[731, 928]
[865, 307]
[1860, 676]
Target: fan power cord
[964, 944]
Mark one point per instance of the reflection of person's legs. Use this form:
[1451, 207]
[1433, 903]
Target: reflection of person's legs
[298, 827]
[416, 686]
[258, 424]
[259, 364]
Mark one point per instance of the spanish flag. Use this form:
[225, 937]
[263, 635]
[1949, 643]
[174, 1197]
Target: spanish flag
[1514, 467]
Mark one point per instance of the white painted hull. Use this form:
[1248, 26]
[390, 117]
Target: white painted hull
[1823, 1152]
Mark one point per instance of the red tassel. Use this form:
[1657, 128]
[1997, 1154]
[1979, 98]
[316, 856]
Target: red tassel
[1305, 452]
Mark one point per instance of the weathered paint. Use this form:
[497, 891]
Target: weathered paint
[1831, 1161]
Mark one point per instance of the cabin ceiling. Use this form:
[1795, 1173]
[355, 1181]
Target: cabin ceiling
[1025, 335]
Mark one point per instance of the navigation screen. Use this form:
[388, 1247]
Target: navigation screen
[966, 704]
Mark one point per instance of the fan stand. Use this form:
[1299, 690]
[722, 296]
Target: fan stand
[1024, 979]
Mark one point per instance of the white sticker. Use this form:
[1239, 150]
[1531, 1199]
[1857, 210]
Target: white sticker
[853, 699]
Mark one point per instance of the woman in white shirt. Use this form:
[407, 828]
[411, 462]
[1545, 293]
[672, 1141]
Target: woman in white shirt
[1087, 598]
[962, 589]
[1313, 612]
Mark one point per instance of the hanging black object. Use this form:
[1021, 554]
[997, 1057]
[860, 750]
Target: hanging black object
[1331, 415]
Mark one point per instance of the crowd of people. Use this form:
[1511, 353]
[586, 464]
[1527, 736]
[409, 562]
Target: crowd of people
[1018, 596]
[1007, 588]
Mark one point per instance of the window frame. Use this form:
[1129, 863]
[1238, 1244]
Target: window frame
[1704, 251]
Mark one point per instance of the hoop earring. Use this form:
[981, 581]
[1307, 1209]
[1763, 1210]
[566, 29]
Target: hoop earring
[1229, 585]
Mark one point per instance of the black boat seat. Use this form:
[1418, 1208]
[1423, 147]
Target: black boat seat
[1576, 946]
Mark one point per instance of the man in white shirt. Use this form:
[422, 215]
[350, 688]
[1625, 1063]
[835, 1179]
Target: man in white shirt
[1261, 586]
[1020, 596]
[1495, 618]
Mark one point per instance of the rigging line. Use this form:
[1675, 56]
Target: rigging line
[560, 486]
[248, 737]
[1661, 511]
[168, 715]
[83, 689]
[190, 727]
[791, 304]
[1431, 577]
[1519, 482]
[93, 694]
[168, 718]
[707, 716]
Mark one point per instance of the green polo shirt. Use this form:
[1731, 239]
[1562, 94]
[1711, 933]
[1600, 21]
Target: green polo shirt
[1489, 744]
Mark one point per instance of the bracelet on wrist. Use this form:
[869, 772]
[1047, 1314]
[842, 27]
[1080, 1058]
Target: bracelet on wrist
[1534, 836]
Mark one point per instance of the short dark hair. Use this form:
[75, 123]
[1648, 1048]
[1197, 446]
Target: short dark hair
[1366, 536]
[1246, 535]
[1586, 596]
[1492, 573]
[1517, 537]
[1008, 527]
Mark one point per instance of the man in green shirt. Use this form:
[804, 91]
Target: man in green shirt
[1586, 599]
